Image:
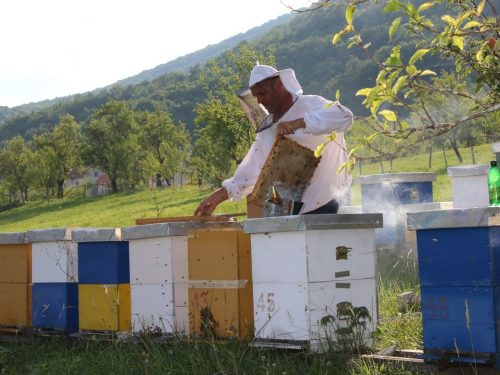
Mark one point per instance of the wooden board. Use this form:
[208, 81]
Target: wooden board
[290, 166]
[410, 361]
[201, 219]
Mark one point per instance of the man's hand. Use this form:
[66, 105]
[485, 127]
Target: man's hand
[207, 205]
[289, 127]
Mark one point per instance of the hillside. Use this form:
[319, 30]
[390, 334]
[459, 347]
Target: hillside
[303, 43]
[119, 210]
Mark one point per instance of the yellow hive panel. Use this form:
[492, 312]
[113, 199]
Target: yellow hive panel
[231, 309]
[104, 307]
[15, 304]
[15, 263]
[213, 255]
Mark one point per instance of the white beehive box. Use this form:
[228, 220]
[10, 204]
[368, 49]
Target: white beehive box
[155, 264]
[305, 268]
[54, 255]
[470, 185]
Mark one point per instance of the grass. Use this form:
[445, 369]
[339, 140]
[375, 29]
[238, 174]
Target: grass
[179, 356]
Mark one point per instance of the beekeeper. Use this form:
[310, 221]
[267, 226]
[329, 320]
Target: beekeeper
[305, 119]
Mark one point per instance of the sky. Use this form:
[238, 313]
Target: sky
[53, 48]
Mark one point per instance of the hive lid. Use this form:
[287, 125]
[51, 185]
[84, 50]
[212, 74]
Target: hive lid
[12, 238]
[96, 235]
[312, 222]
[49, 235]
[469, 170]
[175, 229]
[456, 218]
[397, 178]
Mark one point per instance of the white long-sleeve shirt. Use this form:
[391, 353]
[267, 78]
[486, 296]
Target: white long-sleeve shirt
[325, 184]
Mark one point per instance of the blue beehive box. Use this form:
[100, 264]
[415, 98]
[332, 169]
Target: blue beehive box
[55, 305]
[102, 257]
[459, 259]
[384, 193]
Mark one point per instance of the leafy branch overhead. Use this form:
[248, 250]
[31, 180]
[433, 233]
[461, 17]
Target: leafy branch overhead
[402, 102]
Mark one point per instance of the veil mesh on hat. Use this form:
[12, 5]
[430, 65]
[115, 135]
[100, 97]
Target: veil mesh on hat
[256, 113]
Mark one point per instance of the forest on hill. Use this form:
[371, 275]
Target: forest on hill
[303, 43]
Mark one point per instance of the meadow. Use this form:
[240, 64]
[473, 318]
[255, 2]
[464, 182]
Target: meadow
[180, 355]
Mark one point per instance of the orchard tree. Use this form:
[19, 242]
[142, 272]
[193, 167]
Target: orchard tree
[64, 141]
[112, 142]
[165, 144]
[16, 166]
[468, 34]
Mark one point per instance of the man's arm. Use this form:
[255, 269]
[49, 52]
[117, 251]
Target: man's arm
[207, 205]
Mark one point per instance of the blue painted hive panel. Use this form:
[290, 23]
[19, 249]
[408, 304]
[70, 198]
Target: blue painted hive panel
[55, 305]
[459, 256]
[103, 262]
[394, 194]
[460, 318]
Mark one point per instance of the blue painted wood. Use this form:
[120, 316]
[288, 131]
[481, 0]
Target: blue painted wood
[460, 318]
[55, 306]
[459, 256]
[459, 271]
[103, 262]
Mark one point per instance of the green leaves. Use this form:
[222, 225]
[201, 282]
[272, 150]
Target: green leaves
[394, 26]
[349, 13]
[417, 55]
[395, 58]
[389, 115]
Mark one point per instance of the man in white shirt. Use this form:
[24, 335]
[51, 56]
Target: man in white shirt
[305, 119]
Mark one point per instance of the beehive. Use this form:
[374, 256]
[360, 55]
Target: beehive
[220, 281]
[466, 179]
[15, 280]
[104, 280]
[458, 256]
[55, 278]
[158, 277]
[384, 193]
[308, 268]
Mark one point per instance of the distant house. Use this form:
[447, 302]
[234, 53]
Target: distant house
[97, 180]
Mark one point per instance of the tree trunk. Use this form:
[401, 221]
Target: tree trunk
[473, 156]
[444, 154]
[390, 163]
[430, 157]
[60, 189]
[114, 186]
[382, 165]
[455, 148]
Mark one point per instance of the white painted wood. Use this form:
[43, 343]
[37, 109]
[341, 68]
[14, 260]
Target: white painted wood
[280, 311]
[180, 259]
[151, 260]
[293, 312]
[181, 320]
[152, 306]
[470, 191]
[54, 262]
[181, 297]
[279, 257]
[322, 261]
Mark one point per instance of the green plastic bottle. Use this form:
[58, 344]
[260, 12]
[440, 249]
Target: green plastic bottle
[494, 184]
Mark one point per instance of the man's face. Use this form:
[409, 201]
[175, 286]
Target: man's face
[268, 94]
